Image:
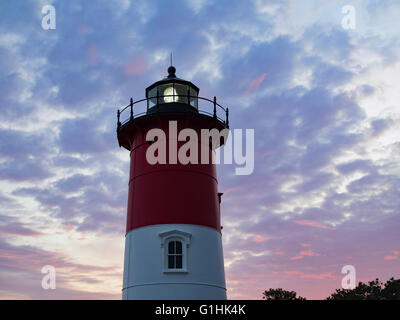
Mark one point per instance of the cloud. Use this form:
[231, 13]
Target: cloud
[18, 144]
[395, 256]
[73, 183]
[84, 136]
[356, 165]
[260, 239]
[391, 257]
[313, 224]
[27, 170]
[135, 66]
[256, 82]
[380, 125]
[27, 262]
[12, 227]
[317, 276]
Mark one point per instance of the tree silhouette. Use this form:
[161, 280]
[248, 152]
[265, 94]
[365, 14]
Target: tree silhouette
[280, 294]
[373, 290]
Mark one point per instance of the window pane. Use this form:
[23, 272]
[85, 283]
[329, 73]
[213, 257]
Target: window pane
[182, 91]
[178, 247]
[166, 93]
[171, 247]
[152, 95]
[193, 99]
[178, 262]
[171, 262]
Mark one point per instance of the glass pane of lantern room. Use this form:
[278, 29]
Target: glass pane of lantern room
[182, 93]
[193, 98]
[167, 93]
[152, 95]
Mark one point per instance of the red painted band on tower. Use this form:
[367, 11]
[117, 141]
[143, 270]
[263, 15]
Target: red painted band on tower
[170, 193]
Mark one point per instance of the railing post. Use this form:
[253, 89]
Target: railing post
[118, 119]
[188, 96]
[227, 118]
[158, 97]
[131, 104]
[215, 107]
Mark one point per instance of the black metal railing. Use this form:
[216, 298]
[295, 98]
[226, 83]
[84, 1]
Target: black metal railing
[135, 109]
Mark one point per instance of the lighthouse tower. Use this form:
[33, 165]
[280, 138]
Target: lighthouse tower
[173, 245]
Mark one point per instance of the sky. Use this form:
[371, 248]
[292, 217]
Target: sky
[323, 101]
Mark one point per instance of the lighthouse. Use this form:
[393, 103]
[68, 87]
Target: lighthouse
[173, 241]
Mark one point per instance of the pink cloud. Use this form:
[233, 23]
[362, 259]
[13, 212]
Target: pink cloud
[13, 227]
[135, 66]
[241, 83]
[83, 29]
[255, 83]
[303, 275]
[232, 189]
[18, 230]
[293, 272]
[309, 253]
[395, 256]
[391, 257]
[260, 239]
[92, 52]
[69, 227]
[314, 224]
[264, 154]
[296, 257]
[316, 276]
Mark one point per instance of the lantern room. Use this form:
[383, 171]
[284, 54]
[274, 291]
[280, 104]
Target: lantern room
[172, 94]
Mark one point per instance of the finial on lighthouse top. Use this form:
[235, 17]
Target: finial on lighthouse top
[171, 72]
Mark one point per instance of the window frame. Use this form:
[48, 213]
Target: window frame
[166, 238]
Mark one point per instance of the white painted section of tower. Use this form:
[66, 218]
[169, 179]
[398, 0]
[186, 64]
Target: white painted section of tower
[146, 276]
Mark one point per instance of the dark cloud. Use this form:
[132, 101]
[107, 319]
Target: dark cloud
[84, 136]
[89, 202]
[334, 42]
[356, 165]
[68, 162]
[10, 226]
[74, 183]
[379, 126]
[18, 144]
[23, 171]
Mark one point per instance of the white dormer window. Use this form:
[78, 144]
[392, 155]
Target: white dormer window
[175, 246]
